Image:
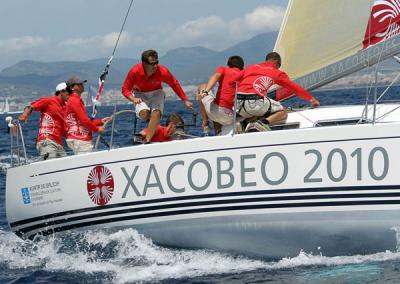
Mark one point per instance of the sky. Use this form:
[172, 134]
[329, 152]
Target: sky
[80, 30]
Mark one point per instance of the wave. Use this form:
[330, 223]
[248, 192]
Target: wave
[5, 161]
[127, 256]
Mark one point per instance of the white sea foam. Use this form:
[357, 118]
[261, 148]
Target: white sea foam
[127, 256]
[4, 162]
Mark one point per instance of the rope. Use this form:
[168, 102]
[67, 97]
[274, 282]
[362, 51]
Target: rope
[122, 28]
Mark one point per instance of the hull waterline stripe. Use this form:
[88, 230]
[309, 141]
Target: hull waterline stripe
[206, 203]
[206, 210]
[215, 150]
[206, 196]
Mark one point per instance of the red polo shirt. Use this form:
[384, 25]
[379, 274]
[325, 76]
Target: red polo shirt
[161, 134]
[137, 80]
[52, 118]
[79, 125]
[258, 78]
[227, 86]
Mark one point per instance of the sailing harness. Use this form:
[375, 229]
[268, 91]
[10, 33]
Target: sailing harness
[251, 101]
[103, 75]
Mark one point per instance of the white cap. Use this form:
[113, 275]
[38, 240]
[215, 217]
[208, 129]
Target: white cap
[60, 87]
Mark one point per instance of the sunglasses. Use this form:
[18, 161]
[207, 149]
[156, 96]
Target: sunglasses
[152, 63]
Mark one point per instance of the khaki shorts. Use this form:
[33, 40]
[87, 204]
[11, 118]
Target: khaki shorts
[151, 101]
[222, 115]
[80, 146]
[259, 106]
[49, 149]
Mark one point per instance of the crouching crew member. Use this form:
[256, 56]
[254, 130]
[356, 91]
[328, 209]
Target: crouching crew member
[220, 108]
[252, 97]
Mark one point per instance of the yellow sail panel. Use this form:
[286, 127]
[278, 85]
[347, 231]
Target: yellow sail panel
[316, 33]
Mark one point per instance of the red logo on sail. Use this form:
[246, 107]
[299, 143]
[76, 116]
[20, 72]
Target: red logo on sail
[100, 185]
[383, 23]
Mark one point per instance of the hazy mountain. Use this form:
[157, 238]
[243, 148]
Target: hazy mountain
[191, 65]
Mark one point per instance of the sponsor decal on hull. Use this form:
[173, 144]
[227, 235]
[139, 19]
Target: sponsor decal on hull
[252, 171]
[42, 194]
[100, 185]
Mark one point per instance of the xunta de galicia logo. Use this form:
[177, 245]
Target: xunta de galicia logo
[100, 185]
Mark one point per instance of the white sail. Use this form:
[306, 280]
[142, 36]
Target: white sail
[6, 106]
[319, 33]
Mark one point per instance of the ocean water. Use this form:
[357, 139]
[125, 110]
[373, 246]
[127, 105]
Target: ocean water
[128, 257]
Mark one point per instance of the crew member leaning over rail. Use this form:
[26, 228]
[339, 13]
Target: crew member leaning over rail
[142, 86]
[255, 81]
[79, 125]
[52, 122]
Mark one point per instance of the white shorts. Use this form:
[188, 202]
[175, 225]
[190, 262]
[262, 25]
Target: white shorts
[80, 146]
[222, 115]
[254, 105]
[49, 149]
[151, 101]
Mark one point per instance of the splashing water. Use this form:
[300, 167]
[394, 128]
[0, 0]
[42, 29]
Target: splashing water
[127, 256]
[397, 231]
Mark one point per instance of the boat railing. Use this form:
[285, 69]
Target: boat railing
[100, 138]
[136, 137]
[17, 142]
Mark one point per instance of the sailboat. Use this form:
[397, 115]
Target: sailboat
[6, 108]
[326, 182]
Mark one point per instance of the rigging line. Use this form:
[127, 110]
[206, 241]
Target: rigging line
[371, 83]
[388, 87]
[103, 76]
[305, 117]
[383, 93]
[122, 28]
[380, 54]
[386, 114]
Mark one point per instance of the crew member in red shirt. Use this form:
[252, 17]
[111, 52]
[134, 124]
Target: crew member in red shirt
[142, 86]
[162, 134]
[52, 122]
[173, 130]
[79, 125]
[220, 108]
[252, 97]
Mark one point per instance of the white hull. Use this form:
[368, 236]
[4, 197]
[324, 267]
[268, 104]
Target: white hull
[334, 190]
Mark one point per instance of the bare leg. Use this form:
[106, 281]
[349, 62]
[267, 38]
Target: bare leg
[155, 118]
[277, 117]
[204, 116]
[217, 127]
[144, 114]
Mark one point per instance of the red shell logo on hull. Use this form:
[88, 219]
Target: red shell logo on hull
[100, 185]
[384, 22]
